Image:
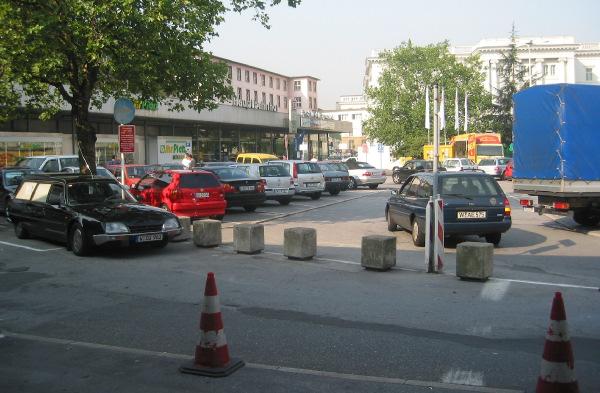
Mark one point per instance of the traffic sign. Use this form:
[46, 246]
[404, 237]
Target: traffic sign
[124, 111]
[380, 147]
[126, 138]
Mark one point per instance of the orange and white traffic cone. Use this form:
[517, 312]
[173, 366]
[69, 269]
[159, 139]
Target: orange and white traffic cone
[557, 372]
[211, 358]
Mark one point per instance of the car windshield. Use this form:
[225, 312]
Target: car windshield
[31, 162]
[487, 162]
[273, 171]
[308, 167]
[198, 180]
[466, 161]
[229, 173]
[469, 186]
[139, 171]
[14, 178]
[94, 192]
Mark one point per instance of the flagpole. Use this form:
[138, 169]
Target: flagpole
[456, 113]
[466, 113]
[427, 124]
[443, 115]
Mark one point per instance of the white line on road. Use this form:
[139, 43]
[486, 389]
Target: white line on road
[495, 290]
[30, 248]
[552, 284]
[291, 370]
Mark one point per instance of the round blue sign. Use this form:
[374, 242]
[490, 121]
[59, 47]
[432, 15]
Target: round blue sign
[124, 111]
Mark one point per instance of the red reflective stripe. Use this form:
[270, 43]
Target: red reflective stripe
[556, 387]
[559, 352]
[211, 322]
[440, 232]
[211, 285]
[558, 308]
[211, 357]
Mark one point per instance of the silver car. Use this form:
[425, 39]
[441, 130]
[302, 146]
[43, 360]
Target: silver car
[494, 166]
[307, 176]
[459, 165]
[364, 174]
[279, 185]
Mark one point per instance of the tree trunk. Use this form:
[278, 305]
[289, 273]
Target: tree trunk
[86, 138]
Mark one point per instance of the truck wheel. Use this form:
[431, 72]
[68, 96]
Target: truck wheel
[315, 196]
[493, 238]
[586, 217]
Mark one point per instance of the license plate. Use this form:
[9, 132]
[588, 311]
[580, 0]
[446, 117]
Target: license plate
[202, 195]
[246, 188]
[468, 215]
[279, 190]
[311, 185]
[336, 179]
[153, 237]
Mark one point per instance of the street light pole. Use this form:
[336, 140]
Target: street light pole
[529, 44]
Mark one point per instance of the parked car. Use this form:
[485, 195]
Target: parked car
[100, 171]
[133, 172]
[459, 164]
[194, 194]
[411, 167]
[255, 158]
[10, 179]
[474, 204]
[493, 166]
[279, 185]
[335, 179]
[164, 167]
[308, 178]
[508, 171]
[239, 188]
[55, 163]
[364, 174]
[85, 212]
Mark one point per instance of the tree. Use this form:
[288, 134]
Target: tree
[397, 104]
[83, 52]
[511, 79]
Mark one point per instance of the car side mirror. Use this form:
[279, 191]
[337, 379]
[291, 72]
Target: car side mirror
[394, 192]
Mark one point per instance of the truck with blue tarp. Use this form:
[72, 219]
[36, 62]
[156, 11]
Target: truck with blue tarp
[556, 135]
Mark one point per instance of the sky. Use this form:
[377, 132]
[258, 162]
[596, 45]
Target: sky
[330, 39]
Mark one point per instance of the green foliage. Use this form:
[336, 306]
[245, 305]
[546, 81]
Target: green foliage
[82, 52]
[397, 105]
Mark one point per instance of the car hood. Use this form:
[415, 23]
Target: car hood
[128, 213]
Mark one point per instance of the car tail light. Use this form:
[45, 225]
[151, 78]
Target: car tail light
[526, 202]
[497, 169]
[327, 179]
[295, 171]
[506, 207]
[367, 174]
[175, 194]
[561, 205]
[228, 188]
[291, 181]
[260, 187]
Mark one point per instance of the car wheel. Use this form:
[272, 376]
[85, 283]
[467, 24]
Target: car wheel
[249, 208]
[493, 238]
[284, 201]
[418, 236]
[373, 186]
[161, 244]
[396, 168]
[20, 231]
[315, 196]
[78, 242]
[165, 207]
[6, 206]
[391, 225]
[586, 217]
[396, 178]
[334, 192]
[353, 185]
[218, 217]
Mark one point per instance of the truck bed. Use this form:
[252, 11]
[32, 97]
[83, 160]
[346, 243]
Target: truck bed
[558, 188]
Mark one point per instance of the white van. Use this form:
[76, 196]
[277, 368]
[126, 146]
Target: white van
[307, 176]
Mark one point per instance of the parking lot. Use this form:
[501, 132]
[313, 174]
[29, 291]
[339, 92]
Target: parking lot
[125, 319]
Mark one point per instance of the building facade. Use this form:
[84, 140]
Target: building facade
[255, 120]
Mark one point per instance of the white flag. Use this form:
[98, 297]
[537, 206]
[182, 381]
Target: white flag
[456, 113]
[427, 125]
[442, 114]
[466, 113]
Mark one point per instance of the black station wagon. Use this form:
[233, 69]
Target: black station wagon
[87, 211]
[474, 204]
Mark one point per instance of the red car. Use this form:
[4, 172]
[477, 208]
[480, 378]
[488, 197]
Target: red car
[507, 175]
[133, 172]
[189, 193]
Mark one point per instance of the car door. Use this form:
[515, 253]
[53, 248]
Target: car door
[51, 165]
[401, 208]
[56, 217]
[36, 209]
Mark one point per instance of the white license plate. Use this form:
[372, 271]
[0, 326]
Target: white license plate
[246, 188]
[153, 237]
[467, 215]
[280, 190]
[202, 195]
[336, 179]
[311, 185]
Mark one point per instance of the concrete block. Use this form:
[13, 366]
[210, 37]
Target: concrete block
[207, 233]
[474, 260]
[300, 243]
[186, 229]
[248, 238]
[378, 252]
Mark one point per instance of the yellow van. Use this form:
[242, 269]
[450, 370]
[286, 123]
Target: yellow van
[255, 158]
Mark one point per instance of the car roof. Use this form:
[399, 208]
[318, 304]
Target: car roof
[258, 155]
[67, 177]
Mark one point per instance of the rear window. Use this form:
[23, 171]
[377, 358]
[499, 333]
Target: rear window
[198, 180]
[465, 161]
[273, 171]
[139, 171]
[363, 165]
[308, 167]
[487, 162]
[229, 173]
[26, 190]
[471, 186]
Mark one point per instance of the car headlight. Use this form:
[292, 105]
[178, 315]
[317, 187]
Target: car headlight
[170, 223]
[115, 227]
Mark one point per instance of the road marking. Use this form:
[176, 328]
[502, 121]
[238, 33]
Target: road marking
[291, 370]
[30, 248]
[494, 291]
[462, 377]
[552, 284]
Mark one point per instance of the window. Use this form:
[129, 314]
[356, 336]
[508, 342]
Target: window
[285, 103]
[278, 83]
[552, 69]
[247, 95]
[315, 88]
[239, 74]
[247, 75]
[278, 100]
[264, 97]
[589, 76]
[271, 99]
[262, 79]
[309, 101]
[296, 85]
[51, 166]
[230, 73]
[41, 193]
[284, 85]
[239, 95]
[55, 196]
[545, 69]
[297, 103]
[315, 102]
[26, 190]
[255, 78]
[309, 86]
[255, 96]
[198, 180]
[270, 81]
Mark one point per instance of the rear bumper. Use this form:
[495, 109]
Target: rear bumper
[204, 209]
[363, 181]
[234, 200]
[309, 190]
[125, 239]
[476, 228]
[271, 194]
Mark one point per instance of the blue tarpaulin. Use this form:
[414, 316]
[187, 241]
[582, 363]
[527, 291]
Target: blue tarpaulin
[556, 132]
